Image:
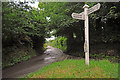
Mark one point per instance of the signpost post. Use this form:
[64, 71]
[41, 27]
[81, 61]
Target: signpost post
[84, 16]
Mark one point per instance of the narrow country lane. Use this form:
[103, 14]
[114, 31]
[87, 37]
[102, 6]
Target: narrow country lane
[24, 68]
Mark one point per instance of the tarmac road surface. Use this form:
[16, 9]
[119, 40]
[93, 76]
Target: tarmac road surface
[24, 68]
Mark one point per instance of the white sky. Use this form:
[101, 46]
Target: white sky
[30, 4]
[51, 38]
[33, 4]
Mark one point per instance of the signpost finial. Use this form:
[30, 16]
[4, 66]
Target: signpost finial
[85, 6]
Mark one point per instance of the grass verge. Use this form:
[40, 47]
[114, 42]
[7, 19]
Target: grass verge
[78, 69]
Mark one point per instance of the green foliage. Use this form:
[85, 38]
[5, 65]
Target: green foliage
[20, 19]
[16, 55]
[104, 23]
[29, 20]
[102, 56]
[22, 26]
[78, 69]
[59, 13]
[59, 42]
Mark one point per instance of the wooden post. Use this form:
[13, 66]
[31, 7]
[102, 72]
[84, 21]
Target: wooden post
[84, 16]
[86, 34]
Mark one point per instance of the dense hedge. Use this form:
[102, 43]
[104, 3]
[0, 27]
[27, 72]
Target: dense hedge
[59, 42]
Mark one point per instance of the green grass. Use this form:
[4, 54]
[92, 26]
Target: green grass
[78, 69]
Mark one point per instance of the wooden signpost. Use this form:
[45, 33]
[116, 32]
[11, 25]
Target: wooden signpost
[84, 16]
[78, 16]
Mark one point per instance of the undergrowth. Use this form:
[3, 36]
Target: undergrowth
[15, 55]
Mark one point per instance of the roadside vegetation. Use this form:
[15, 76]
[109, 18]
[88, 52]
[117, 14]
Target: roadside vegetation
[59, 42]
[16, 55]
[78, 69]
[25, 28]
[22, 33]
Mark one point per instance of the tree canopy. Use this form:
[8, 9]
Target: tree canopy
[23, 19]
[103, 23]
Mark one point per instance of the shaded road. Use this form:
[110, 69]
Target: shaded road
[24, 68]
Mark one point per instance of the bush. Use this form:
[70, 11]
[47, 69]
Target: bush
[59, 42]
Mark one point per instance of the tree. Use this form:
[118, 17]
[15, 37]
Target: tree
[22, 24]
[61, 20]
[65, 25]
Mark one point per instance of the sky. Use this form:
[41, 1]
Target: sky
[34, 4]
[30, 4]
[51, 38]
